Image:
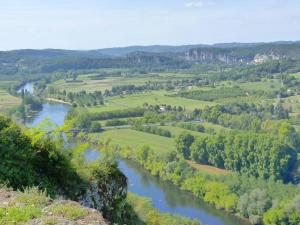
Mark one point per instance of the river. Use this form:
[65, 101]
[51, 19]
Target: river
[165, 196]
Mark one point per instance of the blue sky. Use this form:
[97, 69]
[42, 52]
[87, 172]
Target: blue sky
[92, 24]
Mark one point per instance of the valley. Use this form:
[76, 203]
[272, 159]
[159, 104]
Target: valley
[208, 138]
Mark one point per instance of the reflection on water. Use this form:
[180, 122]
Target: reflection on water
[91, 155]
[168, 198]
[54, 112]
[29, 87]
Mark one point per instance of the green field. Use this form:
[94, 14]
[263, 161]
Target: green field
[8, 101]
[178, 130]
[152, 98]
[266, 85]
[90, 85]
[135, 139]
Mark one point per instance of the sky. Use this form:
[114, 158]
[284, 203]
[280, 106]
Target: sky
[95, 24]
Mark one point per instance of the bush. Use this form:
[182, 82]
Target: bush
[95, 127]
[154, 130]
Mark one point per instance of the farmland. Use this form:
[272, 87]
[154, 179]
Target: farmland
[8, 101]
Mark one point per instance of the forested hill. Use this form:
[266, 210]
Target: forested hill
[24, 62]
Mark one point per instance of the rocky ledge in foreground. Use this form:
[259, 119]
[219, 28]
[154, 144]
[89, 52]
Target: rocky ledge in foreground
[33, 207]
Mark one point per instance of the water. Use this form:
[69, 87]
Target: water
[29, 87]
[91, 155]
[165, 196]
[54, 112]
[168, 198]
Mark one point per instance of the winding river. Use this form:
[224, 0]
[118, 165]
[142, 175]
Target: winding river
[165, 196]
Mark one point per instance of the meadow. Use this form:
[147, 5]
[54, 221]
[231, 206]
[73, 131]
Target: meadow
[152, 98]
[88, 83]
[8, 101]
[136, 139]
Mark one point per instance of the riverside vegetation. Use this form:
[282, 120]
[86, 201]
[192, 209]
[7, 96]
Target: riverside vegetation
[224, 130]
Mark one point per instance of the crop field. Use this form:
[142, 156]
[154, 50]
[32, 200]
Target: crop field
[87, 83]
[152, 98]
[268, 85]
[7, 101]
[6, 83]
[178, 130]
[293, 103]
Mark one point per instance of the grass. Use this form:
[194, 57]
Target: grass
[178, 130]
[296, 75]
[136, 139]
[31, 196]
[292, 102]
[8, 101]
[70, 211]
[265, 85]
[19, 214]
[214, 126]
[90, 85]
[208, 169]
[152, 98]
[6, 83]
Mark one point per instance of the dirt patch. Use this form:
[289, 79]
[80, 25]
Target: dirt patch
[209, 169]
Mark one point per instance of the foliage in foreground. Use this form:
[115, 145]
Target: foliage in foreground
[151, 216]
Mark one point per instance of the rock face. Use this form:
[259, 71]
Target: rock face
[106, 193]
[213, 56]
[232, 55]
[35, 208]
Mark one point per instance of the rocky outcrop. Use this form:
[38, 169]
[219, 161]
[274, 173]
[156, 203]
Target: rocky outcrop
[35, 208]
[213, 56]
[233, 55]
[107, 192]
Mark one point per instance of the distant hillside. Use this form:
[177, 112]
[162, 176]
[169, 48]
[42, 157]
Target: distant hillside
[123, 51]
[148, 58]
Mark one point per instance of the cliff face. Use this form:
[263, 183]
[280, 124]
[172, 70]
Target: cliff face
[231, 56]
[252, 54]
[106, 193]
[213, 56]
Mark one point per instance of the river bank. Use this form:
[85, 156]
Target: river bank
[58, 101]
[136, 171]
[165, 196]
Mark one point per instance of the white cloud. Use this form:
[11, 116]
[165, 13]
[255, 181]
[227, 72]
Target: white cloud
[196, 4]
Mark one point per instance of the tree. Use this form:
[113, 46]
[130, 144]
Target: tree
[95, 127]
[183, 143]
[199, 152]
[254, 205]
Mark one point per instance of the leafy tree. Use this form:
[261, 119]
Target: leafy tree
[183, 143]
[95, 127]
[254, 205]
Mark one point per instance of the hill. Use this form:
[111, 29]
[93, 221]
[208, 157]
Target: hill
[146, 58]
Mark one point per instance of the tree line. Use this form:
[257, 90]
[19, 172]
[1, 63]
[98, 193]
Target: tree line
[259, 155]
